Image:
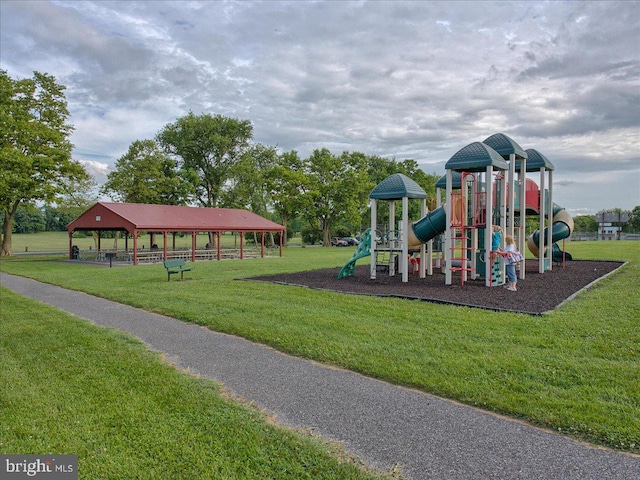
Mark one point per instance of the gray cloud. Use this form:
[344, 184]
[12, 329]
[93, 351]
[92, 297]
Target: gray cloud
[399, 79]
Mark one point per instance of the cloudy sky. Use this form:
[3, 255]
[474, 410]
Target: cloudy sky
[403, 79]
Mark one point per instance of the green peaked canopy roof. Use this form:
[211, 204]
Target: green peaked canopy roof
[505, 146]
[397, 186]
[476, 157]
[456, 181]
[535, 161]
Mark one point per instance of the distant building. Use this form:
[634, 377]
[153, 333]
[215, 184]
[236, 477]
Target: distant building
[606, 231]
[606, 228]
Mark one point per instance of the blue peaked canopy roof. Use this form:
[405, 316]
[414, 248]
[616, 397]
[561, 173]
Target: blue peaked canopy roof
[456, 181]
[535, 161]
[397, 186]
[476, 157]
[505, 146]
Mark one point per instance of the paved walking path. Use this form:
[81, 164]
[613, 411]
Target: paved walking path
[383, 424]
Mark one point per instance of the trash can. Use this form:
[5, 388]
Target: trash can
[75, 251]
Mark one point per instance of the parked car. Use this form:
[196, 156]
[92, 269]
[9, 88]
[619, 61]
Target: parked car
[351, 241]
[338, 242]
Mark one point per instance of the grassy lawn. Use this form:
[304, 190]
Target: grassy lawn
[67, 386]
[576, 370]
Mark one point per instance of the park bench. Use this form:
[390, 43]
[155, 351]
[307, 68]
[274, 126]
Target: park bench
[176, 266]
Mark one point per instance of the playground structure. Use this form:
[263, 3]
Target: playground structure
[485, 184]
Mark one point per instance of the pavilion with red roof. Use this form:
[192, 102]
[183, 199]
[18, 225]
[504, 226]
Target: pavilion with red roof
[137, 218]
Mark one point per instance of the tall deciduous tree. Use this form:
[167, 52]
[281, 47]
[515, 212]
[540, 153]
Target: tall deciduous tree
[81, 194]
[247, 183]
[35, 151]
[585, 224]
[145, 174]
[380, 168]
[287, 183]
[634, 219]
[209, 146]
[338, 186]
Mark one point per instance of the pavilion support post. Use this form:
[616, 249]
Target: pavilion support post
[70, 245]
[282, 234]
[262, 244]
[164, 246]
[135, 247]
[219, 245]
[194, 236]
[241, 234]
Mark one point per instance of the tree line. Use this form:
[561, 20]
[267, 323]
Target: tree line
[211, 161]
[204, 160]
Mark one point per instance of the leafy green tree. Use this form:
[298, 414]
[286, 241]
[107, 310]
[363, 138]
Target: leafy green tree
[35, 151]
[634, 220]
[56, 219]
[286, 182]
[28, 219]
[209, 146]
[338, 187]
[247, 187]
[145, 174]
[380, 168]
[80, 195]
[585, 224]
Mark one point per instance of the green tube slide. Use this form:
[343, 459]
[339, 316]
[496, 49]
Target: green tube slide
[431, 225]
[561, 228]
[428, 227]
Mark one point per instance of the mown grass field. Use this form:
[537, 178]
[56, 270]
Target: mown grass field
[575, 370]
[67, 386]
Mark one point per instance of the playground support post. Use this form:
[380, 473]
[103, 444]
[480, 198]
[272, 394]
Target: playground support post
[374, 217]
[404, 262]
[503, 210]
[474, 257]
[447, 231]
[465, 221]
[511, 200]
[489, 225]
[523, 211]
[392, 242]
[424, 251]
[541, 240]
[440, 255]
[550, 215]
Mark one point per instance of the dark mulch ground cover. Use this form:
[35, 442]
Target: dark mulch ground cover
[537, 293]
